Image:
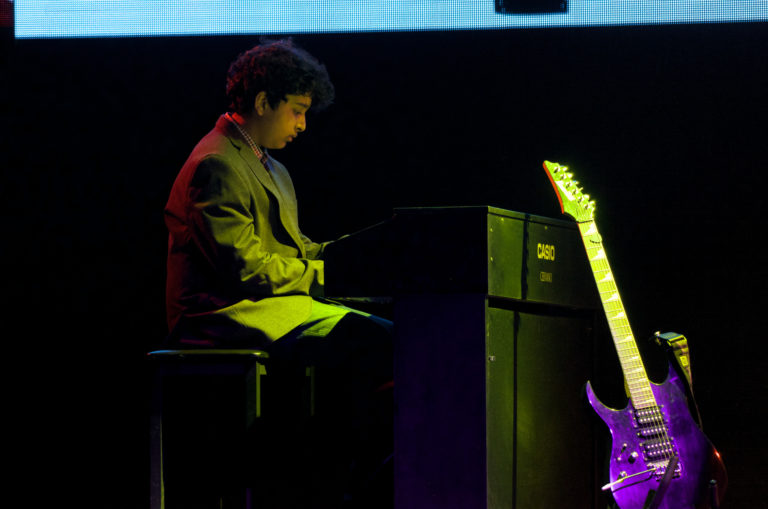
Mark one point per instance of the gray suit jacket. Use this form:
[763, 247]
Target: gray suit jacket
[239, 269]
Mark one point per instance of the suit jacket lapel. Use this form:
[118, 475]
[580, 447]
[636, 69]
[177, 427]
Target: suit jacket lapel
[275, 186]
[288, 206]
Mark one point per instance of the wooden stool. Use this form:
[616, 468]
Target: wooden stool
[216, 417]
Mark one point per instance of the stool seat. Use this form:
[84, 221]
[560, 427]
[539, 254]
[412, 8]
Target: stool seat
[209, 354]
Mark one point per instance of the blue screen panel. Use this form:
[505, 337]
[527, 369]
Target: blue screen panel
[125, 18]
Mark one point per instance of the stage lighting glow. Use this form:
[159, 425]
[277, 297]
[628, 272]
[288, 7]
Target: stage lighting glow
[125, 18]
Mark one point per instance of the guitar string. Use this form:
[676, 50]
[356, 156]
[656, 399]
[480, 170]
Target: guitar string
[635, 360]
[629, 353]
[622, 327]
[648, 416]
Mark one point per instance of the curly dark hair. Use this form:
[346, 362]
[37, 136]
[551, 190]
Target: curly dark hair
[279, 68]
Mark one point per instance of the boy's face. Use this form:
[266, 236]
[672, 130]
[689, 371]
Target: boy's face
[279, 126]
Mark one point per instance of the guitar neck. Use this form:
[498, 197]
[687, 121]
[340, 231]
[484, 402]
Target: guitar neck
[629, 356]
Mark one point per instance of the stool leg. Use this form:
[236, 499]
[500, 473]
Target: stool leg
[156, 488]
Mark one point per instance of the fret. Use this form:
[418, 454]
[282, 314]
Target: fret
[599, 256]
[592, 230]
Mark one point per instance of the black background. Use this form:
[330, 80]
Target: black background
[665, 127]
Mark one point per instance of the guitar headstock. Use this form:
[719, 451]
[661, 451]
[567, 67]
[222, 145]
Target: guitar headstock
[572, 201]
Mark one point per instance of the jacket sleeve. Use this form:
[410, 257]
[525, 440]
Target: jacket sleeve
[315, 251]
[240, 248]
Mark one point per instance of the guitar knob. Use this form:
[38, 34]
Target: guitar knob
[632, 457]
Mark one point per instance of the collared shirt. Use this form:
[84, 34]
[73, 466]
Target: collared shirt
[260, 152]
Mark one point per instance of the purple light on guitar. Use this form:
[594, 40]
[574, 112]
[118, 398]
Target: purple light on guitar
[699, 462]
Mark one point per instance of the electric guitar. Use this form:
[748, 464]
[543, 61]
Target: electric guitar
[660, 458]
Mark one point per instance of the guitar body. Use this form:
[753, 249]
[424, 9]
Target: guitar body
[698, 461]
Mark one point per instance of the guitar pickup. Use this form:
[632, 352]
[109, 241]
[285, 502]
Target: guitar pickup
[651, 431]
[653, 449]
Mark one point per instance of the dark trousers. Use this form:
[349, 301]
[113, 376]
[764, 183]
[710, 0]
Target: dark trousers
[346, 447]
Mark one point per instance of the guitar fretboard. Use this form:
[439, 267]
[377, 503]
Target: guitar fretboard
[629, 356]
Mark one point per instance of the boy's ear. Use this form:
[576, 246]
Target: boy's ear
[260, 103]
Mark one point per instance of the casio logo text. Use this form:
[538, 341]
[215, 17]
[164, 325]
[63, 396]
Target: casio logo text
[545, 252]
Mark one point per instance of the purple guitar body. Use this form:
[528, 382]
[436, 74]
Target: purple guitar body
[640, 453]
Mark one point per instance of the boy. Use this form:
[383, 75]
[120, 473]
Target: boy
[241, 274]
